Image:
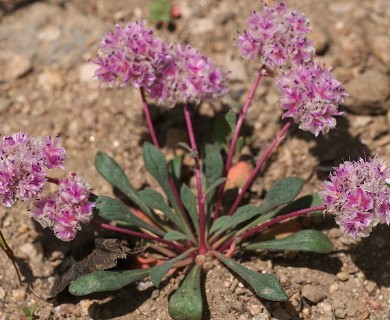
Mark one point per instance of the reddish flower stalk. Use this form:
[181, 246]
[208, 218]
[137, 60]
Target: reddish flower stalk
[141, 235]
[53, 180]
[157, 145]
[270, 223]
[149, 119]
[198, 176]
[277, 140]
[233, 142]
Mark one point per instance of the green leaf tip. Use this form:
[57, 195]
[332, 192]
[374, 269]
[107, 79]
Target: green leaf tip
[186, 303]
[265, 285]
[284, 191]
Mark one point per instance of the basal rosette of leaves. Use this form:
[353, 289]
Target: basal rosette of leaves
[181, 227]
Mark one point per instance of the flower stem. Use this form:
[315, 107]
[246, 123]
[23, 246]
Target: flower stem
[270, 223]
[149, 119]
[241, 118]
[233, 142]
[277, 140]
[198, 176]
[52, 180]
[8, 251]
[141, 235]
[153, 135]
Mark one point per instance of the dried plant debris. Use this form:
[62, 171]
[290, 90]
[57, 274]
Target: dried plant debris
[103, 256]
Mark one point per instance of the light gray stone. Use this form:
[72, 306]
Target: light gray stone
[369, 93]
[13, 65]
[53, 35]
[314, 294]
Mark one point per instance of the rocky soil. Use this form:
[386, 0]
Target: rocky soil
[46, 88]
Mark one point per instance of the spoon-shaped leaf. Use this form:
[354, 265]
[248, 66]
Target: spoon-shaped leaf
[113, 209]
[100, 281]
[265, 285]
[114, 174]
[304, 240]
[186, 303]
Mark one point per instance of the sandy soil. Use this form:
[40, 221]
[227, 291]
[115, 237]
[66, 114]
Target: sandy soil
[46, 89]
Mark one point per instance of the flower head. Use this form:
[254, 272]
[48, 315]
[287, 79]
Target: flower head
[358, 195]
[65, 210]
[189, 77]
[310, 95]
[54, 155]
[276, 36]
[23, 164]
[131, 54]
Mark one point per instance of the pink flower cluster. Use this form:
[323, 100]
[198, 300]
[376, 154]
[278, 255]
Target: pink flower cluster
[132, 54]
[310, 95]
[276, 36]
[358, 195]
[23, 165]
[189, 77]
[170, 74]
[66, 209]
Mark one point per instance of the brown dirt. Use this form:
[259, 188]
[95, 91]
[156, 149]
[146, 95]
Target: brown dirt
[46, 89]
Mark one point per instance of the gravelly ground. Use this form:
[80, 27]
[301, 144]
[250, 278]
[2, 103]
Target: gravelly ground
[46, 88]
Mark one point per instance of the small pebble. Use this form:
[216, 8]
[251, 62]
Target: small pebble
[333, 288]
[13, 65]
[199, 26]
[254, 309]
[313, 293]
[155, 294]
[340, 313]
[368, 93]
[370, 287]
[261, 316]
[342, 276]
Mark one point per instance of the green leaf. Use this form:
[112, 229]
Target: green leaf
[304, 202]
[186, 303]
[308, 201]
[115, 210]
[99, 281]
[284, 191]
[175, 235]
[240, 144]
[265, 285]
[219, 223]
[155, 164]
[158, 272]
[241, 215]
[212, 188]
[156, 201]
[281, 192]
[213, 164]
[245, 213]
[160, 10]
[231, 120]
[114, 174]
[304, 240]
[175, 166]
[190, 203]
[221, 132]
